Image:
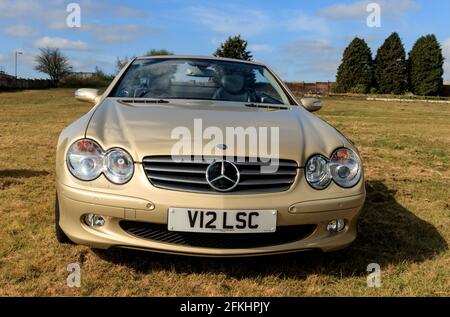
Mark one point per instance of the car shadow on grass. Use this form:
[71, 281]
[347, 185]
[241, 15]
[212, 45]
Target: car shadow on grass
[13, 177]
[22, 173]
[388, 234]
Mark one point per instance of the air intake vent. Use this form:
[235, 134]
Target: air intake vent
[158, 232]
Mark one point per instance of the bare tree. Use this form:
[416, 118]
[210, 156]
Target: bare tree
[122, 62]
[53, 63]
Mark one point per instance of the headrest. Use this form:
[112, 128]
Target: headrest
[160, 84]
[233, 83]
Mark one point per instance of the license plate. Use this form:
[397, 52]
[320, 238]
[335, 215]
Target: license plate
[222, 221]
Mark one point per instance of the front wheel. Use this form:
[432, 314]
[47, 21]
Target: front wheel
[60, 235]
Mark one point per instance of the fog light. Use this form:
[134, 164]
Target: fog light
[94, 220]
[336, 225]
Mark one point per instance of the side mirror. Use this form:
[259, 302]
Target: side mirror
[87, 95]
[312, 104]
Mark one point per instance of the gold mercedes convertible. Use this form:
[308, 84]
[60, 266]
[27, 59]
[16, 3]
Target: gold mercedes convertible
[205, 156]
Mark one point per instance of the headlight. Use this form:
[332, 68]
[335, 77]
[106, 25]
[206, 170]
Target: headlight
[345, 167]
[119, 166]
[318, 172]
[86, 160]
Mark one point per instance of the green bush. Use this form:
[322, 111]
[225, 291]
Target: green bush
[359, 89]
[336, 89]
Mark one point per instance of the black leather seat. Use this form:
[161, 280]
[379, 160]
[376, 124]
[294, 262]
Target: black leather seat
[160, 86]
[233, 89]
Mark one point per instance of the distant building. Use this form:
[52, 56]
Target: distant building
[4, 75]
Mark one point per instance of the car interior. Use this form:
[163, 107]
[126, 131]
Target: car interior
[191, 80]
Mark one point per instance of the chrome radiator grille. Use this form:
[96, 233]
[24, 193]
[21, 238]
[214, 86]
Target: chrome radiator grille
[190, 175]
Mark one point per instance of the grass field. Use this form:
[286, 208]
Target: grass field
[405, 225]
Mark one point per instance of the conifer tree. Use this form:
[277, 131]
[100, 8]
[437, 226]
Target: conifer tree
[426, 66]
[356, 69]
[390, 66]
[234, 47]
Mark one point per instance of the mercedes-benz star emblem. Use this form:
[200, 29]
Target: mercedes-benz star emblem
[223, 176]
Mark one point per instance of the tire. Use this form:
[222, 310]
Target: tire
[60, 235]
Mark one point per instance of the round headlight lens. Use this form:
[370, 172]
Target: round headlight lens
[318, 172]
[345, 167]
[85, 159]
[119, 166]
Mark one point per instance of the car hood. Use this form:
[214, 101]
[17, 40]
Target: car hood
[148, 129]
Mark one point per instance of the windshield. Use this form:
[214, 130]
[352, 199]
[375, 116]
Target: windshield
[200, 79]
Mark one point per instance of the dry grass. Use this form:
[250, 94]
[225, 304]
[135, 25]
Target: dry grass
[404, 226]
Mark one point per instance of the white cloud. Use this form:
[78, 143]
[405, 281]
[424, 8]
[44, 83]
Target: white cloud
[61, 43]
[77, 64]
[232, 20]
[346, 11]
[25, 62]
[358, 9]
[90, 61]
[19, 8]
[19, 30]
[303, 22]
[311, 60]
[19, 18]
[125, 11]
[446, 47]
[324, 69]
[57, 24]
[116, 33]
[28, 58]
[311, 47]
[215, 41]
[53, 14]
[42, 12]
[260, 48]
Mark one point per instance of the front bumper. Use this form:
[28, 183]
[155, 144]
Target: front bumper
[76, 201]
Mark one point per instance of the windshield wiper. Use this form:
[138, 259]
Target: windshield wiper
[265, 106]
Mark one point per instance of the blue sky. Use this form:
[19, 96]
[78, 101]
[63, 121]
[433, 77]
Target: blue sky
[301, 40]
